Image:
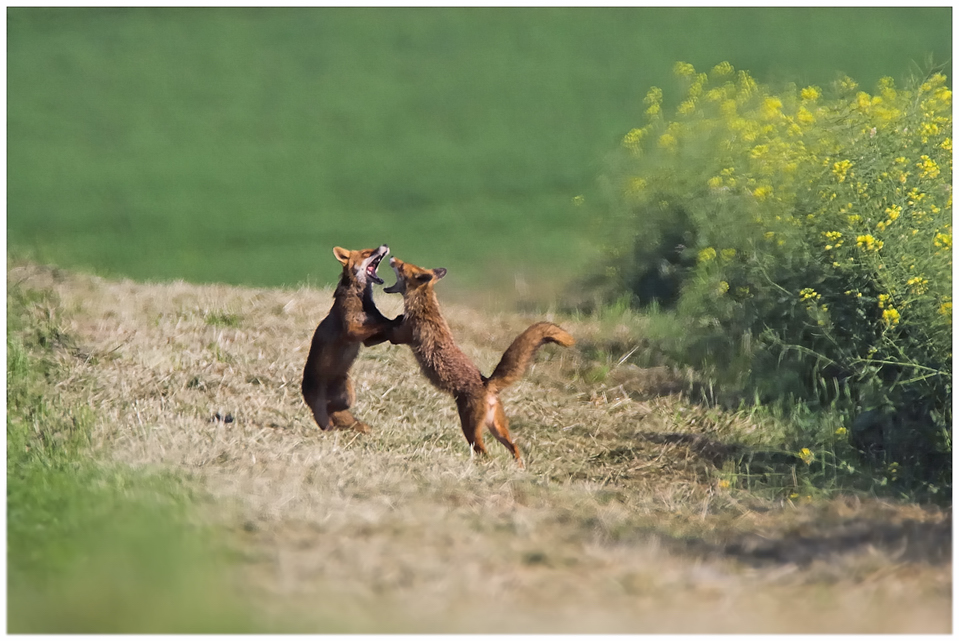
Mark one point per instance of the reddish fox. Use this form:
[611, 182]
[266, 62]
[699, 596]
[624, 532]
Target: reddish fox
[425, 330]
[352, 320]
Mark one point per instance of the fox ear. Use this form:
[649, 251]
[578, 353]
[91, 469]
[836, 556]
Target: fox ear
[342, 255]
[424, 277]
[439, 272]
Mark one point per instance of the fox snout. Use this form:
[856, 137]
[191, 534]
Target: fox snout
[397, 287]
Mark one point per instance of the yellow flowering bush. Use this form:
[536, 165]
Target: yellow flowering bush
[834, 211]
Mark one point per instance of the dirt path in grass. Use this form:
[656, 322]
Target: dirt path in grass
[617, 525]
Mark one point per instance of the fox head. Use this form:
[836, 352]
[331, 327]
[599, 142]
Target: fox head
[360, 266]
[410, 278]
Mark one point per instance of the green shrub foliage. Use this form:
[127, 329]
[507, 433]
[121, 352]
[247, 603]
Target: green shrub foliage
[804, 238]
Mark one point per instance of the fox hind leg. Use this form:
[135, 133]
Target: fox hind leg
[316, 400]
[498, 426]
[314, 393]
[471, 420]
[344, 420]
[340, 396]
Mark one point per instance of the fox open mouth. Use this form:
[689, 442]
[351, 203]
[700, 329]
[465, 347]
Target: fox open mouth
[372, 266]
[396, 287]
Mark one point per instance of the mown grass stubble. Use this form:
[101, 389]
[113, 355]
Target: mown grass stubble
[403, 531]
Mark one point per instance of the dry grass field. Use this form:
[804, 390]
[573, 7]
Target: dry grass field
[618, 524]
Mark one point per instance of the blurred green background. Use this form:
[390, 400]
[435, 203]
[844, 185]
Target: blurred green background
[241, 144]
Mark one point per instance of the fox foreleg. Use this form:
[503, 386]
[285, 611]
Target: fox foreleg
[384, 335]
[401, 333]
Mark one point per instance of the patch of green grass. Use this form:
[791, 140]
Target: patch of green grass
[223, 318]
[240, 145]
[93, 547]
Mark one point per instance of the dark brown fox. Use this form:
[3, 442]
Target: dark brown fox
[352, 320]
[477, 397]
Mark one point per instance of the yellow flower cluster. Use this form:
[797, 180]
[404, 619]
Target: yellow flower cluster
[762, 192]
[890, 316]
[893, 470]
[927, 167]
[723, 69]
[631, 140]
[887, 88]
[942, 241]
[834, 239]
[811, 171]
[868, 242]
[811, 94]
[653, 101]
[771, 108]
[847, 84]
[840, 169]
[918, 285]
[684, 69]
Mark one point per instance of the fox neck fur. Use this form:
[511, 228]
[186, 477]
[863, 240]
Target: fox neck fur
[353, 300]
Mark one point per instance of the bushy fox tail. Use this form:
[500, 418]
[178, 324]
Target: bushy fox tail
[517, 356]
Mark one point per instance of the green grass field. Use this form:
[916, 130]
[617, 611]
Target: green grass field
[94, 546]
[240, 145]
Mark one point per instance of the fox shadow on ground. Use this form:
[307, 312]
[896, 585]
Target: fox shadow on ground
[909, 541]
[917, 538]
